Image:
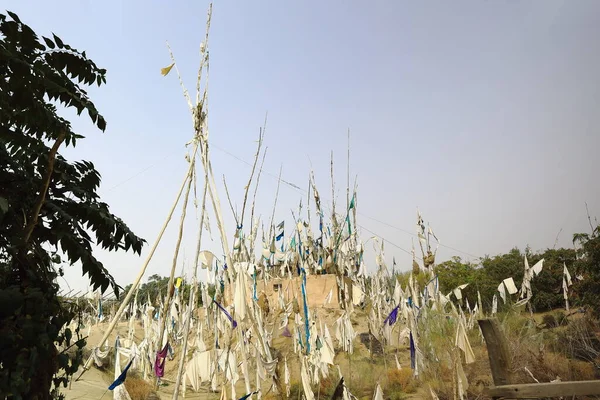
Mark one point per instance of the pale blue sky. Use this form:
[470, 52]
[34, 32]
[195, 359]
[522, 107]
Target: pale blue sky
[484, 114]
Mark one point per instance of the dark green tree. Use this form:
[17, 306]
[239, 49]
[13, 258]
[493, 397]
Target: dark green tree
[157, 285]
[588, 267]
[49, 207]
[546, 287]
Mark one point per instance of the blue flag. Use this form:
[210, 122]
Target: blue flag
[233, 321]
[248, 395]
[121, 377]
[280, 228]
[413, 352]
[391, 319]
[305, 312]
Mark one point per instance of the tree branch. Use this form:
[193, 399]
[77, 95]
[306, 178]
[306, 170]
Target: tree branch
[45, 184]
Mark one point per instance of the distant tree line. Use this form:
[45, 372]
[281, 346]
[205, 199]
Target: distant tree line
[582, 262]
[156, 289]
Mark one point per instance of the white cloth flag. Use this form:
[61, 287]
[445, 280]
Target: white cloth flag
[458, 291]
[463, 383]
[510, 286]
[462, 342]
[308, 393]
[502, 292]
[567, 275]
[239, 299]
[537, 268]
[566, 283]
[286, 378]
[198, 369]
[458, 294]
[397, 293]
[378, 393]
[119, 393]
[206, 259]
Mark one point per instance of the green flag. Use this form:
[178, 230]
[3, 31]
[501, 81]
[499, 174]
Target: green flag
[349, 226]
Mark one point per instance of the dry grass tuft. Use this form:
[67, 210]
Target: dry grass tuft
[138, 388]
[533, 357]
[401, 380]
[570, 350]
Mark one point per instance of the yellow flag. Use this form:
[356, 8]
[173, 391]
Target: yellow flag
[165, 71]
[178, 282]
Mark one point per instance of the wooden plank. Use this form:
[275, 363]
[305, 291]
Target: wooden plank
[538, 390]
[498, 353]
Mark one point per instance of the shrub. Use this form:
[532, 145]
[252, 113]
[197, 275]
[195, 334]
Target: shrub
[138, 389]
[555, 319]
[561, 318]
[579, 341]
[400, 380]
[549, 321]
[296, 390]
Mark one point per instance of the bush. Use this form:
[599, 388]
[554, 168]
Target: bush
[561, 318]
[555, 319]
[400, 380]
[296, 390]
[138, 389]
[327, 386]
[549, 321]
[579, 341]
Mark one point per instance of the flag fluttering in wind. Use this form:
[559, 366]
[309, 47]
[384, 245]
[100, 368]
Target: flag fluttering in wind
[159, 363]
[391, 319]
[121, 378]
[248, 395]
[565, 285]
[413, 352]
[286, 332]
[280, 231]
[229, 317]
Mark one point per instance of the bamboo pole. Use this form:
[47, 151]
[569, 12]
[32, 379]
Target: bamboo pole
[192, 294]
[137, 280]
[254, 229]
[275, 204]
[174, 265]
[348, 175]
[247, 188]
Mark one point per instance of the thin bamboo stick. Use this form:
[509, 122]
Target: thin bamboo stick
[192, 294]
[137, 280]
[275, 204]
[174, 265]
[252, 227]
[247, 188]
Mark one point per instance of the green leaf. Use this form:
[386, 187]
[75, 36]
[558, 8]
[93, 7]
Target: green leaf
[49, 42]
[73, 218]
[59, 42]
[14, 16]
[3, 206]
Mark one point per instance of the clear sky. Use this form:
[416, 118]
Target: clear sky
[484, 114]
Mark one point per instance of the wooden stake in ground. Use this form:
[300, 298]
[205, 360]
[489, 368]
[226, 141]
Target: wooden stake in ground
[192, 300]
[170, 288]
[137, 280]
